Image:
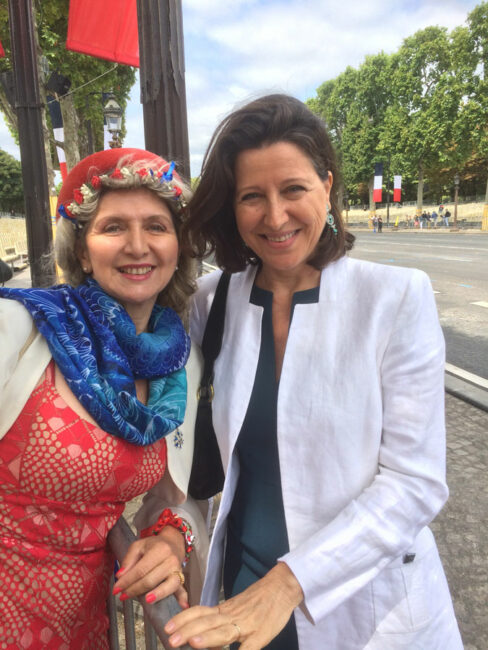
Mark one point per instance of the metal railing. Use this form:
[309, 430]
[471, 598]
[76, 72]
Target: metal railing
[155, 615]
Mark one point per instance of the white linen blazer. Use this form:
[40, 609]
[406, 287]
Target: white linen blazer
[361, 443]
[25, 356]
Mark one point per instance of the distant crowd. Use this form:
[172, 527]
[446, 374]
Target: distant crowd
[425, 220]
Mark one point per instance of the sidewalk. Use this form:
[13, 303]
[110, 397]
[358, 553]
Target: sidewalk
[461, 529]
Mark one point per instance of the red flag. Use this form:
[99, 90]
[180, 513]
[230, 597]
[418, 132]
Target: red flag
[397, 189]
[106, 29]
[2, 51]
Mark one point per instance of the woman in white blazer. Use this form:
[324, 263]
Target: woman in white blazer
[328, 410]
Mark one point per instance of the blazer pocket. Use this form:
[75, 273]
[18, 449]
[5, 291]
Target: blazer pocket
[404, 595]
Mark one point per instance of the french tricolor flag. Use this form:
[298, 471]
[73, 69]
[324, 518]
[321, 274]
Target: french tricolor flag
[2, 51]
[378, 182]
[57, 122]
[397, 189]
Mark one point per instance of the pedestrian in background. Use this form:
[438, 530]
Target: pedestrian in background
[446, 216]
[322, 534]
[434, 217]
[380, 224]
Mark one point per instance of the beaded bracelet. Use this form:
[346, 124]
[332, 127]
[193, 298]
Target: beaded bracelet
[168, 518]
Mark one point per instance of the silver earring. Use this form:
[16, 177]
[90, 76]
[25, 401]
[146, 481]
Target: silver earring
[331, 220]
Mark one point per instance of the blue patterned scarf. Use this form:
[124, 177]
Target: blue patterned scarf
[94, 343]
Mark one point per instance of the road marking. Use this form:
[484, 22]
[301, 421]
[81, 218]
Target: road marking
[426, 256]
[481, 303]
[433, 245]
[467, 376]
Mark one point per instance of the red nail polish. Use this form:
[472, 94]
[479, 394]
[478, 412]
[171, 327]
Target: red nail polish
[150, 598]
[116, 590]
[123, 597]
[121, 571]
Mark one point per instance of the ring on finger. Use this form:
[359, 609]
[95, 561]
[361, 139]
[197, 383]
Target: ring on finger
[180, 576]
[238, 629]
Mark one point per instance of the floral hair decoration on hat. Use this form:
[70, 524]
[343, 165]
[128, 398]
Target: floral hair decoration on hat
[149, 178]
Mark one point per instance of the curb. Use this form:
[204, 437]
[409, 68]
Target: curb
[467, 386]
[427, 231]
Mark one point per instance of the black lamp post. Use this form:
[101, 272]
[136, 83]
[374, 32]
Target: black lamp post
[27, 98]
[113, 117]
[456, 196]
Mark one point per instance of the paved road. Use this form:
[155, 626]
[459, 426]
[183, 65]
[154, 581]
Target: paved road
[457, 265]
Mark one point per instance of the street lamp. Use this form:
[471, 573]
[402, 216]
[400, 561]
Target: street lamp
[456, 195]
[113, 117]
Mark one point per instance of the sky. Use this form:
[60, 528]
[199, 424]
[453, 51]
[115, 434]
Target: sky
[240, 49]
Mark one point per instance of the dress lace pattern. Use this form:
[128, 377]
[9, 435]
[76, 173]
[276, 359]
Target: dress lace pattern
[63, 485]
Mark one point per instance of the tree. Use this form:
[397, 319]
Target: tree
[353, 106]
[422, 110]
[82, 108]
[11, 192]
[474, 121]
[426, 99]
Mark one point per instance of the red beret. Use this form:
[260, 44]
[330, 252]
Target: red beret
[99, 163]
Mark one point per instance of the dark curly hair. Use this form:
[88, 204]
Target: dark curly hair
[211, 225]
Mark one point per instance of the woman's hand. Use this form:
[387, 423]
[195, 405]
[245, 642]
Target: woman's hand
[153, 565]
[253, 618]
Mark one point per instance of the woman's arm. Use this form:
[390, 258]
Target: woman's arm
[153, 564]
[409, 488]
[23, 360]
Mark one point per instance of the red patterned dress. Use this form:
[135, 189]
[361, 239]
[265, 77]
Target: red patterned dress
[63, 485]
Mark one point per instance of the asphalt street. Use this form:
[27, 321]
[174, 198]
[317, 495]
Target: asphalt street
[457, 264]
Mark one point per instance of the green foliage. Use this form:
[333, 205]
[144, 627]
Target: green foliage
[422, 110]
[52, 26]
[11, 190]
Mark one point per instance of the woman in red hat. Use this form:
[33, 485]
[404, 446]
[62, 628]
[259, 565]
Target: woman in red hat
[93, 385]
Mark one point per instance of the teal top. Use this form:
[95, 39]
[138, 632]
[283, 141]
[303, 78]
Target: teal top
[256, 526]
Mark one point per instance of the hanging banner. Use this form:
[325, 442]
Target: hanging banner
[58, 130]
[2, 51]
[107, 136]
[378, 182]
[397, 189]
[105, 29]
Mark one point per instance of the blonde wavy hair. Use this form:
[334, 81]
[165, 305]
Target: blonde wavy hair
[71, 234]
